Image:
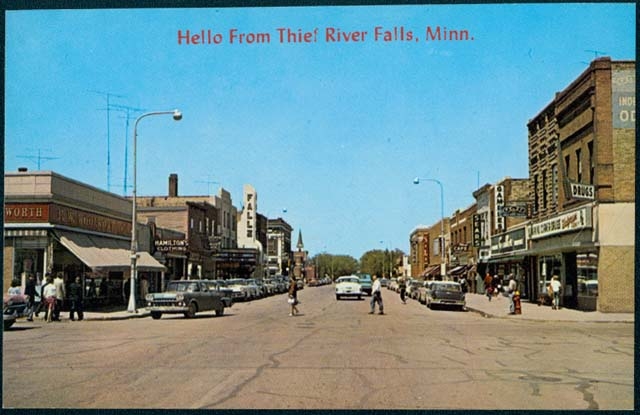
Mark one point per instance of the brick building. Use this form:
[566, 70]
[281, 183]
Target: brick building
[430, 250]
[55, 224]
[195, 218]
[582, 169]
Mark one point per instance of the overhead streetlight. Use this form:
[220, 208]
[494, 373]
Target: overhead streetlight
[443, 267]
[177, 116]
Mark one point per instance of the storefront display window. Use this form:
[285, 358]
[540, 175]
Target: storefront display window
[587, 265]
[548, 267]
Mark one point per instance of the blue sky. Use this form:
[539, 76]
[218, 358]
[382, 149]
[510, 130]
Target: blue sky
[333, 132]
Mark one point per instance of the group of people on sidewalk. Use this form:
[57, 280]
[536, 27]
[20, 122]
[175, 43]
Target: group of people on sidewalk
[493, 287]
[52, 296]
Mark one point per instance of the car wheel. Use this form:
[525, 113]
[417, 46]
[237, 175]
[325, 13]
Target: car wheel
[428, 304]
[191, 312]
[337, 297]
[156, 315]
[220, 311]
[9, 323]
[359, 297]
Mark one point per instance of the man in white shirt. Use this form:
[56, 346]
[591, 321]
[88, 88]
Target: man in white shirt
[376, 296]
[511, 290]
[556, 286]
[60, 294]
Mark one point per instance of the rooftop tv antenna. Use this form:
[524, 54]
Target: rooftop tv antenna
[108, 96]
[38, 158]
[596, 53]
[209, 182]
[128, 111]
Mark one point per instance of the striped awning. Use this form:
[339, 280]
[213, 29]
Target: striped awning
[102, 253]
[431, 271]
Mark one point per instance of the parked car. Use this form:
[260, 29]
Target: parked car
[221, 287]
[365, 282]
[348, 286]
[445, 293]
[384, 282]
[412, 288]
[13, 307]
[421, 294]
[239, 291]
[185, 297]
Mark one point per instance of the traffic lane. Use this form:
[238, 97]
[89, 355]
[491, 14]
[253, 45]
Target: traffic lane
[334, 355]
[449, 358]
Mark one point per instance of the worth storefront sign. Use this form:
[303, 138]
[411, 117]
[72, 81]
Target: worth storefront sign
[55, 214]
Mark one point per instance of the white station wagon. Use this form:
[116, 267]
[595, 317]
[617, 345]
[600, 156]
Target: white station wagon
[348, 286]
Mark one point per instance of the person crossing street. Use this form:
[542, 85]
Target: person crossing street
[376, 296]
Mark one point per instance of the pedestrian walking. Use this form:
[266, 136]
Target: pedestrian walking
[511, 291]
[60, 294]
[49, 299]
[556, 287]
[376, 296]
[30, 292]
[488, 286]
[75, 298]
[42, 305]
[293, 297]
[463, 284]
[402, 285]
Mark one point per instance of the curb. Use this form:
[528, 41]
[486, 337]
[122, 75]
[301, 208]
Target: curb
[119, 317]
[539, 320]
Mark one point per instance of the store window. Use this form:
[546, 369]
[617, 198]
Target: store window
[587, 266]
[548, 266]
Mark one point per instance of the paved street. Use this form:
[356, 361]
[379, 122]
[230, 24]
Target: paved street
[333, 356]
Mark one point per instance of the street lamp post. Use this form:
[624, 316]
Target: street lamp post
[443, 267]
[177, 115]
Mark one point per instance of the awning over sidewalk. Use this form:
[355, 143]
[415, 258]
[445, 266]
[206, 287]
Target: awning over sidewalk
[458, 270]
[102, 253]
[431, 271]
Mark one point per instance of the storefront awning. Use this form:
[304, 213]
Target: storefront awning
[458, 270]
[102, 253]
[431, 271]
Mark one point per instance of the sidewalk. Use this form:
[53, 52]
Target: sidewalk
[498, 307]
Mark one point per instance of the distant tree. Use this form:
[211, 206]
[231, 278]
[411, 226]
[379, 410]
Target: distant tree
[335, 265]
[381, 262]
[372, 262]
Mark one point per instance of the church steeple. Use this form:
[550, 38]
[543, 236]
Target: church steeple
[300, 245]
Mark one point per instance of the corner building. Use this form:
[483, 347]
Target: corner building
[582, 177]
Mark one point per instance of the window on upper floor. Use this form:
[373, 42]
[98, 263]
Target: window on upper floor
[592, 163]
[579, 164]
[554, 184]
[544, 189]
